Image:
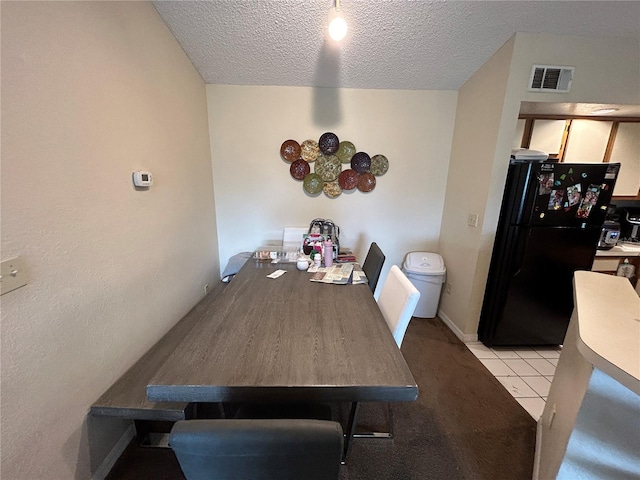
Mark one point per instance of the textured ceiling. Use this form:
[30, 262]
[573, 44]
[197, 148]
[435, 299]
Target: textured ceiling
[394, 44]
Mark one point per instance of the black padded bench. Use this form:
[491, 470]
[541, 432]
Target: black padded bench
[127, 397]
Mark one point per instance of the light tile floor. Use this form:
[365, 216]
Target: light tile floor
[526, 373]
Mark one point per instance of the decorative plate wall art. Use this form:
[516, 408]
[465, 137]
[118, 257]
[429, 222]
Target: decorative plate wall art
[299, 169]
[290, 150]
[337, 165]
[310, 150]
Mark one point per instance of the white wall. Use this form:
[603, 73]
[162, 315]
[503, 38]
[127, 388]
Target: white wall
[91, 92]
[256, 196]
[594, 60]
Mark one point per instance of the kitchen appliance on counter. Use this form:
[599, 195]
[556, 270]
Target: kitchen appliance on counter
[549, 226]
[630, 220]
[610, 233]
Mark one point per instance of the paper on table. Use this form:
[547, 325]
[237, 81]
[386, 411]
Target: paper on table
[358, 276]
[338, 274]
[277, 273]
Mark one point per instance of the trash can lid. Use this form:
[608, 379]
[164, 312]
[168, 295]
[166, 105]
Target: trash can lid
[424, 263]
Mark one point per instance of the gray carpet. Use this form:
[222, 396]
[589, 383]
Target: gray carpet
[464, 425]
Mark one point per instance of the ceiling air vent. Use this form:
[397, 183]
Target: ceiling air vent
[546, 78]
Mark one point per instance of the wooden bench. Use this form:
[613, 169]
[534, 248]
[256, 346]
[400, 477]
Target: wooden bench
[127, 397]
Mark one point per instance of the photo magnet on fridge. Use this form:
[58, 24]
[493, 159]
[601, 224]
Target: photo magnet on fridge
[546, 182]
[574, 194]
[555, 200]
[612, 171]
[589, 201]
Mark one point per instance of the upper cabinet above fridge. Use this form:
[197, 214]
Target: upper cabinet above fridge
[585, 133]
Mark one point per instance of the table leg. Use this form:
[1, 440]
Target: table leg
[351, 429]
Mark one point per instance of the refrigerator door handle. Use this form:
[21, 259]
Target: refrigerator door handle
[520, 251]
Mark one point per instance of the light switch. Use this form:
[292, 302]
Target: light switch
[12, 275]
[472, 220]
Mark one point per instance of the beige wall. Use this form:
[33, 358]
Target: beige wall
[91, 92]
[256, 196]
[594, 59]
[480, 103]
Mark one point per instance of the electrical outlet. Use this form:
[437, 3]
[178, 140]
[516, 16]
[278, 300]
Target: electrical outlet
[206, 288]
[448, 289]
[12, 275]
[472, 220]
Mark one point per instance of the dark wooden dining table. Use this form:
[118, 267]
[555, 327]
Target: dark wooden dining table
[287, 339]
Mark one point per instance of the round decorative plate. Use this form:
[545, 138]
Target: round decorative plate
[346, 150]
[379, 165]
[328, 143]
[332, 189]
[348, 179]
[310, 150]
[313, 183]
[290, 150]
[366, 182]
[328, 167]
[299, 169]
[361, 162]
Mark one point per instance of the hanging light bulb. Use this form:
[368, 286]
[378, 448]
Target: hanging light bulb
[337, 23]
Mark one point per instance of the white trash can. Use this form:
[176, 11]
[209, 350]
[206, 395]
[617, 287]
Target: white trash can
[426, 271]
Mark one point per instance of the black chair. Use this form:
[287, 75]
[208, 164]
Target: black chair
[372, 265]
[273, 449]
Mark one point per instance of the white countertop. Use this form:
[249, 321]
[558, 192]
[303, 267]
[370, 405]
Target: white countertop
[621, 250]
[608, 312]
[590, 423]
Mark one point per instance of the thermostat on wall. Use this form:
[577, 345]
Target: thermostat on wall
[142, 179]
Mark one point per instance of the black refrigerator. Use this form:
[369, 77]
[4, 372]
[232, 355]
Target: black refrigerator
[549, 227]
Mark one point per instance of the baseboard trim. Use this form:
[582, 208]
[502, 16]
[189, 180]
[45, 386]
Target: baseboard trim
[464, 337]
[110, 460]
